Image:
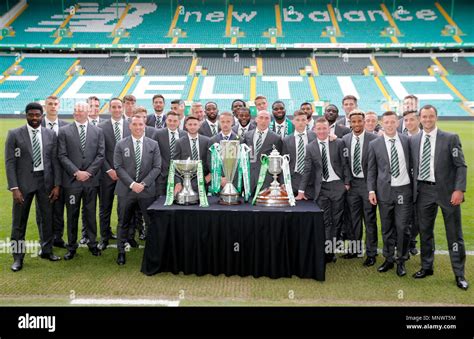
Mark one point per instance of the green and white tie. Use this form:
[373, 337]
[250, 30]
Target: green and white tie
[172, 145]
[356, 163]
[394, 165]
[213, 130]
[258, 145]
[300, 155]
[82, 137]
[425, 159]
[117, 133]
[36, 150]
[194, 151]
[279, 129]
[137, 159]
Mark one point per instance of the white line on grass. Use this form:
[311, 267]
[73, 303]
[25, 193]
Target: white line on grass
[126, 302]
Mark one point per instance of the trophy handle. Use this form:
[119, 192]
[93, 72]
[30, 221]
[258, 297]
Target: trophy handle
[287, 157]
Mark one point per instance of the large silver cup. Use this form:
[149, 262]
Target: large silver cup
[186, 169]
[229, 154]
[274, 195]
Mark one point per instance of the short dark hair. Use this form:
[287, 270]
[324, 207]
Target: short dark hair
[306, 103]
[337, 109]
[116, 98]
[33, 105]
[389, 113]
[158, 96]
[411, 96]
[321, 120]
[173, 113]
[237, 100]
[278, 102]
[129, 97]
[409, 112]
[177, 102]
[210, 102]
[93, 97]
[246, 109]
[429, 107]
[349, 97]
[190, 117]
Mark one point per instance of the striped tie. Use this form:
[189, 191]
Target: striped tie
[258, 146]
[36, 150]
[158, 123]
[324, 158]
[226, 137]
[279, 129]
[137, 159]
[356, 162]
[94, 122]
[117, 131]
[242, 131]
[394, 166]
[194, 151]
[213, 130]
[82, 137]
[300, 155]
[172, 144]
[51, 125]
[425, 159]
[405, 130]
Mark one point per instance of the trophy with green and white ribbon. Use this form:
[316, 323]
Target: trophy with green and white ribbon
[229, 154]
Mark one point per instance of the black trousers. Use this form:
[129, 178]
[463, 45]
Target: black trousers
[20, 214]
[395, 216]
[74, 197]
[427, 206]
[128, 206]
[361, 209]
[331, 201]
[57, 216]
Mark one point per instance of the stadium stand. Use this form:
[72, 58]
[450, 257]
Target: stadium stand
[106, 66]
[230, 65]
[160, 66]
[342, 66]
[288, 66]
[405, 66]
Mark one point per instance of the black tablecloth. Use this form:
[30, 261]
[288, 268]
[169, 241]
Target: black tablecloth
[236, 240]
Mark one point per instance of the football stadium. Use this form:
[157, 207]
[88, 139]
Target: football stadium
[217, 53]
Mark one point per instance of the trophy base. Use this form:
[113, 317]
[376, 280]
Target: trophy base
[272, 198]
[187, 199]
[227, 199]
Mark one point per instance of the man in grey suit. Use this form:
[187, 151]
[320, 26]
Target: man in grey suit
[51, 121]
[94, 104]
[440, 173]
[349, 103]
[261, 141]
[356, 150]
[114, 129]
[389, 184]
[81, 152]
[158, 119]
[167, 139]
[295, 146]
[409, 104]
[32, 171]
[326, 167]
[191, 146]
[210, 126]
[244, 123]
[137, 161]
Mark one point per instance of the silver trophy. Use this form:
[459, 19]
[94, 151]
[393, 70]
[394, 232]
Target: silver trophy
[230, 150]
[274, 195]
[187, 170]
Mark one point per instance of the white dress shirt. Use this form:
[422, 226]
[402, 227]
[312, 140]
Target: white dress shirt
[282, 133]
[297, 141]
[216, 126]
[120, 126]
[176, 135]
[55, 124]
[353, 144]
[332, 175]
[79, 128]
[403, 178]
[40, 141]
[226, 135]
[432, 135]
[240, 128]
[197, 144]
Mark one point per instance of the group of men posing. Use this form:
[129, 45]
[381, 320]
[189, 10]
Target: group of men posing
[408, 167]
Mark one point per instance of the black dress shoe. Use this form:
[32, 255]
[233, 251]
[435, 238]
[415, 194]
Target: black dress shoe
[113, 236]
[401, 269]
[59, 243]
[349, 256]
[422, 274]
[370, 261]
[133, 243]
[69, 255]
[17, 265]
[121, 259]
[142, 235]
[95, 251]
[83, 241]
[385, 266]
[50, 256]
[413, 251]
[462, 283]
[330, 258]
[103, 245]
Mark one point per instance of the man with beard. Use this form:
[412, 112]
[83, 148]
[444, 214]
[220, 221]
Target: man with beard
[210, 126]
[94, 104]
[158, 119]
[331, 113]
[235, 107]
[349, 103]
[281, 125]
[307, 108]
[244, 125]
[178, 106]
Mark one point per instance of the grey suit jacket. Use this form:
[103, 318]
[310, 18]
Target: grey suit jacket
[19, 160]
[151, 120]
[449, 165]
[73, 159]
[379, 176]
[313, 169]
[109, 138]
[124, 163]
[289, 147]
[272, 139]
[61, 123]
[368, 137]
[250, 126]
[205, 129]
[183, 151]
[164, 142]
